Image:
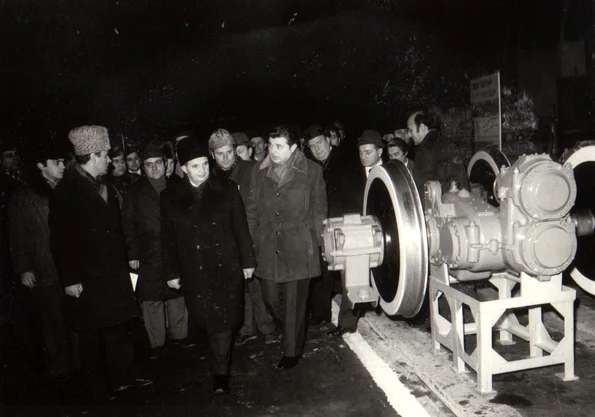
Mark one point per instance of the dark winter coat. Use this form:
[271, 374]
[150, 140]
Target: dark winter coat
[436, 159]
[121, 183]
[88, 247]
[286, 220]
[142, 230]
[206, 243]
[354, 186]
[240, 173]
[29, 233]
[334, 171]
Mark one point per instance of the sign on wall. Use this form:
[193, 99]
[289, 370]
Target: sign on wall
[486, 102]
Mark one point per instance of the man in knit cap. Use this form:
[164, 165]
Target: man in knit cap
[207, 252]
[229, 166]
[88, 248]
[142, 230]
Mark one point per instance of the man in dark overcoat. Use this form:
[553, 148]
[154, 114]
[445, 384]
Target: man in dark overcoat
[436, 157]
[370, 147]
[142, 230]
[88, 247]
[229, 166]
[285, 207]
[321, 288]
[33, 263]
[207, 250]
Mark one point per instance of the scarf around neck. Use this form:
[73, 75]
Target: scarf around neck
[280, 172]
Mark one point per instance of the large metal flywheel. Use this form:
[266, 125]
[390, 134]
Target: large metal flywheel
[582, 160]
[401, 280]
[483, 169]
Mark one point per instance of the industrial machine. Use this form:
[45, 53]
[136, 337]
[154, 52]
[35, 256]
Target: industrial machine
[518, 231]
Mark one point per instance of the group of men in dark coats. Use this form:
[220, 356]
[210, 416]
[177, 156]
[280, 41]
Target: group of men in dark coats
[232, 242]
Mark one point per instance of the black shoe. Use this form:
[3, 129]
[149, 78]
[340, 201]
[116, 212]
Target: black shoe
[135, 383]
[185, 343]
[288, 362]
[220, 384]
[340, 331]
[156, 352]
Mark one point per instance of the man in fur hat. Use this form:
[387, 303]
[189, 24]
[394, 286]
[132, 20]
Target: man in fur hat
[208, 252]
[88, 247]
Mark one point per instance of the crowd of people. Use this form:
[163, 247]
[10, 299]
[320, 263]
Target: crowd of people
[223, 233]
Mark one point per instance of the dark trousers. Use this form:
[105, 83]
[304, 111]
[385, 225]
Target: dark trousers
[108, 354]
[322, 290]
[347, 317]
[60, 343]
[287, 304]
[220, 352]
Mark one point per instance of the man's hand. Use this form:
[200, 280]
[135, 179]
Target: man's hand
[74, 290]
[248, 272]
[28, 279]
[174, 283]
[133, 264]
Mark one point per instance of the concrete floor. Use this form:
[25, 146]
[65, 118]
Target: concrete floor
[329, 381]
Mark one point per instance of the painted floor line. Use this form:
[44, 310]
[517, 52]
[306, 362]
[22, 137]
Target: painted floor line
[397, 394]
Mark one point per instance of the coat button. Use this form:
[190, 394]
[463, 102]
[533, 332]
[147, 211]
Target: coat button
[200, 268]
[197, 246]
[219, 265]
[214, 223]
[277, 214]
[277, 252]
[278, 194]
[217, 244]
[278, 233]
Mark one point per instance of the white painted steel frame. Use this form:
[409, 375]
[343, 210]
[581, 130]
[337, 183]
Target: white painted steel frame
[499, 314]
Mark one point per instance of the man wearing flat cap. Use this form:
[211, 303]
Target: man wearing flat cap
[229, 166]
[88, 247]
[207, 252]
[370, 146]
[33, 263]
[243, 146]
[142, 230]
[329, 158]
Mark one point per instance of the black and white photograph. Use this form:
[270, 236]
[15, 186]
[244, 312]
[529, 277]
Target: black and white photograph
[286, 208]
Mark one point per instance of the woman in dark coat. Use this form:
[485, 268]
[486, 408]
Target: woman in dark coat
[207, 246]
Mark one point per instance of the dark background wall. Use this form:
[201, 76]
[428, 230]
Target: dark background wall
[148, 67]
